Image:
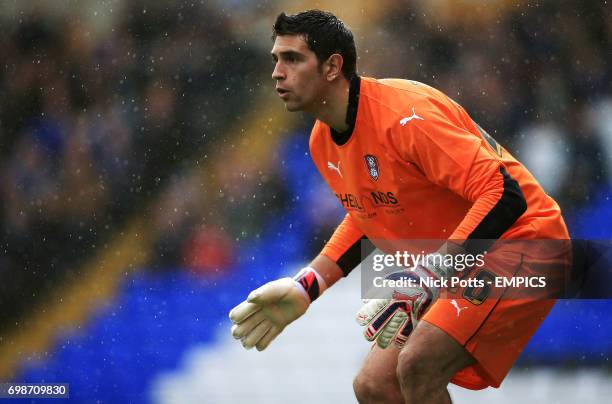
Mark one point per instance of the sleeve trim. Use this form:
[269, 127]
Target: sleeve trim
[505, 213]
[353, 256]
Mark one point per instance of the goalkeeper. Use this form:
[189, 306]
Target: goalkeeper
[406, 162]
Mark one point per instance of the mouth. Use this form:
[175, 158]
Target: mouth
[282, 92]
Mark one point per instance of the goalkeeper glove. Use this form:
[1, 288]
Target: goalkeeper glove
[392, 320]
[269, 309]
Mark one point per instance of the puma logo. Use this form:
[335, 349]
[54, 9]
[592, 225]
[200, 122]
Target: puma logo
[407, 119]
[456, 305]
[331, 166]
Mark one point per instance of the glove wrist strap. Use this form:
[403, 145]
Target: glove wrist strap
[311, 282]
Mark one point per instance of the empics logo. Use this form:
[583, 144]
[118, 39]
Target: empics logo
[372, 166]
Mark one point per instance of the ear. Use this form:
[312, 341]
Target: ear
[334, 67]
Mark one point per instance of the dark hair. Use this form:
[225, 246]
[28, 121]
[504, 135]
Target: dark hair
[324, 33]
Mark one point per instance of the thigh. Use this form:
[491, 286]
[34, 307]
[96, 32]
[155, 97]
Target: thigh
[381, 364]
[436, 352]
[377, 380]
[493, 324]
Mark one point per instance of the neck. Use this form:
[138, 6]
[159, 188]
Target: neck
[333, 106]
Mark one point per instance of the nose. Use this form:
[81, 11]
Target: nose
[278, 73]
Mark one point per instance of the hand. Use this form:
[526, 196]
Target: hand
[386, 321]
[267, 311]
[392, 320]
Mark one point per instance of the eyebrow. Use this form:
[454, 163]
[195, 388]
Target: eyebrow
[287, 54]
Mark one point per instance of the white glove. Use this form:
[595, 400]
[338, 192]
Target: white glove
[392, 320]
[267, 311]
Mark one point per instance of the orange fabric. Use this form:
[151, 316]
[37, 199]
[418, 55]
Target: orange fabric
[496, 331]
[499, 341]
[345, 236]
[437, 176]
[433, 174]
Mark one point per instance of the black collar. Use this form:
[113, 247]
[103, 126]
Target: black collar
[341, 138]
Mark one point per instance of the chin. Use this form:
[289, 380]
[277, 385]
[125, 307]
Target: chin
[293, 107]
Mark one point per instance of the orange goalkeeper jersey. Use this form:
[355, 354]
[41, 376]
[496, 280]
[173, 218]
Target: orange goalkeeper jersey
[414, 165]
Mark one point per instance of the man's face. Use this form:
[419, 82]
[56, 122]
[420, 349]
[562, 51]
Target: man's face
[298, 79]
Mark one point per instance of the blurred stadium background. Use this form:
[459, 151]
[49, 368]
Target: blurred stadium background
[151, 178]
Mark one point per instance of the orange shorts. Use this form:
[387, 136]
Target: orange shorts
[494, 326]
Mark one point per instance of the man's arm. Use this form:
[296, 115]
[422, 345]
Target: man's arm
[345, 246]
[458, 158]
[329, 270]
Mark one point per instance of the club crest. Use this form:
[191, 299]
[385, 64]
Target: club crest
[372, 166]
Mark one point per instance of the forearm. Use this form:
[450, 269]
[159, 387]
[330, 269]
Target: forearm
[331, 272]
[498, 204]
[328, 269]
